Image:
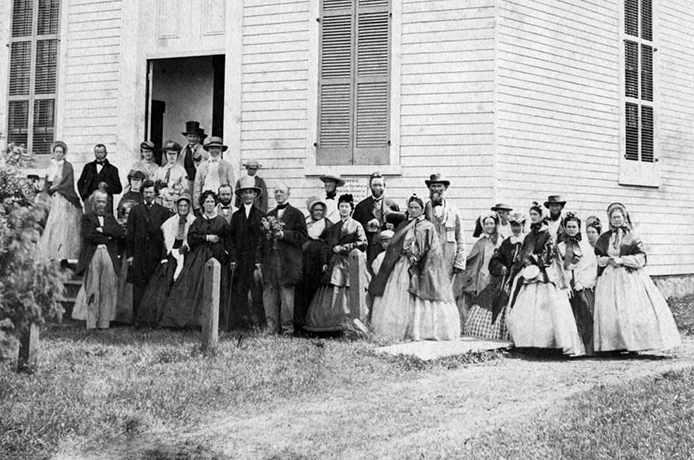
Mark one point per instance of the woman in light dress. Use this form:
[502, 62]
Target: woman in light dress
[61, 236]
[479, 320]
[329, 309]
[171, 174]
[413, 299]
[540, 314]
[630, 312]
[580, 271]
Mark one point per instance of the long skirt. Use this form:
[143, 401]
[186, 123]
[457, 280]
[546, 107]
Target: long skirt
[399, 314]
[154, 299]
[479, 324]
[631, 313]
[184, 304]
[542, 318]
[61, 236]
[96, 300]
[329, 309]
[124, 303]
[582, 303]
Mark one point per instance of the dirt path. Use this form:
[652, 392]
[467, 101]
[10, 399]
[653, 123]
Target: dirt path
[398, 420]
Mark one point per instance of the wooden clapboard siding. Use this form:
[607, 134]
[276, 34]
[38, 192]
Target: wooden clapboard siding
[558, 109]
[92, 78]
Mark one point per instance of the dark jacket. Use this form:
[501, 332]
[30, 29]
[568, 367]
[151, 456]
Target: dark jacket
[244, 235]
[111, 233]
[89, 181]
[145, 241]
[363, 213]
[260, 201]
[631, 245]
[288, 248]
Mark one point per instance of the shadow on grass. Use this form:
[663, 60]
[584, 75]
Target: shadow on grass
[550, 355]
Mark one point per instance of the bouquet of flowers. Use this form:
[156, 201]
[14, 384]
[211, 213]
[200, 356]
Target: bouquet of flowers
[273, 229]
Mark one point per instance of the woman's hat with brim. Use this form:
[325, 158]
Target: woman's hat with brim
[517, 218]
[184, 197]
[215, 141]
[247, 183]
[437, 179]
[554, 199]
[252, 164]
[338, 180]
[501, 207]
[385, 235]
[311, 202]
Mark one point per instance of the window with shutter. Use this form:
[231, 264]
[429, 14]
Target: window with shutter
[354, 71]
[639, 165]
[33, 73]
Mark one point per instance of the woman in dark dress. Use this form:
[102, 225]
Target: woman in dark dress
[175, 231]
[206, 240]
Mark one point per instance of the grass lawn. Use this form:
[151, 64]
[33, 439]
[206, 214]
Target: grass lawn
[97, 389]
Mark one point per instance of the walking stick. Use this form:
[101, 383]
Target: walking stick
[231, 290]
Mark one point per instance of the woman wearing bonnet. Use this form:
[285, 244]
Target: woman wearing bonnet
[630, 312]
[61, 236]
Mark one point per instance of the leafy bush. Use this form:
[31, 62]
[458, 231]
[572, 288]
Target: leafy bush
[30, 287]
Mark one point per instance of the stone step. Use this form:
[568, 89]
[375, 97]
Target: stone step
[428, 350]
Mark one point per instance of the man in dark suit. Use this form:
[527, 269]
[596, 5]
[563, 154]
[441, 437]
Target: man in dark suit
[371, 214]
[244, 235]
[192, 154]
[99, 263]
[280, 258]
[144, 242]
[99, 174]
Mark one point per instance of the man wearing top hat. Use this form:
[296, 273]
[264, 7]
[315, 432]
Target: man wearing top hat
[99, 175]
[193, 153]
[449, 226]
[146, 163]
[252, 167]
[331, 184]
[555, 204]
[371, 214]
[503, 210]
[244, 234]
[213, 172]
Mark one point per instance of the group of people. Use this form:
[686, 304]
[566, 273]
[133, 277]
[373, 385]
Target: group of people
[280, 269]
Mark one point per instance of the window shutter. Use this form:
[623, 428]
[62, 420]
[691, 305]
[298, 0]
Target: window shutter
[632, 131]
[647, 73]
[20, 68]
[46, 66]
[335, 100]
[647, 20]
[631, 17]
[372, 49]
[49, 12]
[631, 69]
[18, 122]
[647, 153]
[44, 125]
[22, 12]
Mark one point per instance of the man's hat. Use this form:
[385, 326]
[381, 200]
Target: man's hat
[247, 183]
[136, 174]
[252, 164]
[215, 141]
[554, 199]
[147, 145]
[193, 127]
[338, 180]
[502, 207]
[437, 179]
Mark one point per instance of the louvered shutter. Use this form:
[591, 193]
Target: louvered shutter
[48, 15]
[20, 68]
[44, 125]
[22, 12]
[372, 72]
[335, 83]
[632, 131]
[18, 122]
[46, 66]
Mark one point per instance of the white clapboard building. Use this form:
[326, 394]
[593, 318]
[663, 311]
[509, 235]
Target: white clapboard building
[512, 100]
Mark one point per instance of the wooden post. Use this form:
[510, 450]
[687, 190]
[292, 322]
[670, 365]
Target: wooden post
[357, 290]
[28, 348]
[210, 306]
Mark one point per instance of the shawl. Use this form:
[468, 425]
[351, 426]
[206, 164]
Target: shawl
[170, 230]
[66, 186]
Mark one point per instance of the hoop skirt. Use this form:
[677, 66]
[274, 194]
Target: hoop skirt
[61, 237]
[631, 313]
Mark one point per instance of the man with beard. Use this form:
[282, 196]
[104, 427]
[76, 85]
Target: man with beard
[225, 208]
[371, 214]
[96, 302]
[192, 154]
[144, 242]
[244, 234]
[555, 204]
[99, 174]
[449, 226]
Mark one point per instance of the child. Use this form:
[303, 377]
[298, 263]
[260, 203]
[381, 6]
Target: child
[384, 239]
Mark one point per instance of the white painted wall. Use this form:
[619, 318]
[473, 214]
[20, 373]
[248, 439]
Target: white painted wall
[5, 31]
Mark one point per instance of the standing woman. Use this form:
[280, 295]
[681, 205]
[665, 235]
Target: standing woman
[476, 277]
[171, 174]
[413, 298]
[61, 236]
[206, 240]
[630, 312]
[329, 308]
[593, 229]
[580, 271]
[175, 231]
[540, 315]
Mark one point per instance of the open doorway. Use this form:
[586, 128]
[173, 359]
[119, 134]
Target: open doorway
[183, 89]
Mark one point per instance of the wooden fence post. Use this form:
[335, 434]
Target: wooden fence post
[210, 306]
[357, 290]
[28, 349]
